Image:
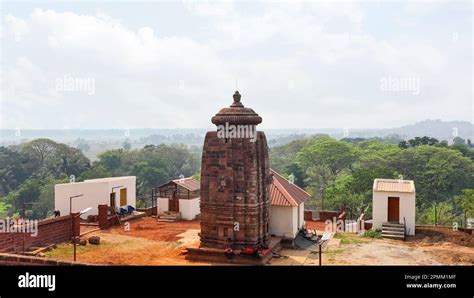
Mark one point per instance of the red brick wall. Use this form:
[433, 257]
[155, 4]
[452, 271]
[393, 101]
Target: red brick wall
[325, 215]
[105, 220]
[19, 260]
[148, 211]
[54, 230]
[308, 215]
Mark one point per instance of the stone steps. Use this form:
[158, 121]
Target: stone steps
[393, 231]
[169, 217]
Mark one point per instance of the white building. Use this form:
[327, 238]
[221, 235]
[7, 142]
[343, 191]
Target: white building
[287, 209]
[394, 202]
[180, 196]
[113, 191]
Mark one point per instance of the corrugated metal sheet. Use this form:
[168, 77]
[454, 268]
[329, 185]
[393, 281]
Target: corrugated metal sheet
[189, 183]
[394, 185]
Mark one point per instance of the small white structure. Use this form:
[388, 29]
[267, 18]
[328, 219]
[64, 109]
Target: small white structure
[180, 196]
[394, 201]
[113, 191]
[287, 208]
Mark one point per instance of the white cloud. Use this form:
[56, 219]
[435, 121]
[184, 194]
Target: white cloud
[147, 78]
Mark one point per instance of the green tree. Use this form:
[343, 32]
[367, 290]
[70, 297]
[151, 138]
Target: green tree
[323, 160]
[45, 157]
[419, 141]
[28, 192]
[340, 196]
[459, 141]
[466, 201]
[4, 207]
[95, 172]
[439, 214]
[148, 177]
[111, 160]
[12, 170]
[127, 145]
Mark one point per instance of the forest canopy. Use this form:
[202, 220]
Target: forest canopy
[29, 171]
[340, 174]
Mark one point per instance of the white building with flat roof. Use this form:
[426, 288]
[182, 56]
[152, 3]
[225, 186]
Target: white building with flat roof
[393, 201]
[113, 191]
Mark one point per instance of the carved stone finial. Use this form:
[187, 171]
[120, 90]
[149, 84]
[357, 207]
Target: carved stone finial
[237, 98]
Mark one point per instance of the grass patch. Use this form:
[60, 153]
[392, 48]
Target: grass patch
[65, 251]
[333, 253]
[350, 238]
[377, 234]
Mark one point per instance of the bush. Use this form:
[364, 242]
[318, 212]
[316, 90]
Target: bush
[373, 234]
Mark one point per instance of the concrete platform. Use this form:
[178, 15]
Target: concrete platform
[206, 254]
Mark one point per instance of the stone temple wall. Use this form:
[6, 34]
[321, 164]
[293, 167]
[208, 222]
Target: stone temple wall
[235, 201]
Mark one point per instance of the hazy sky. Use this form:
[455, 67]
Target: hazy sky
[174, 64]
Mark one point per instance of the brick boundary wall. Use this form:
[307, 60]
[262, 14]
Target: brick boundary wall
[106, 221]
[324, 215]
[50, 231]
[148, 211]
[19, 260]
[308, 215]
[465, 230]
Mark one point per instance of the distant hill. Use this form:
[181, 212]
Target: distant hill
[438, 129]
[113, 138]
[442, 130]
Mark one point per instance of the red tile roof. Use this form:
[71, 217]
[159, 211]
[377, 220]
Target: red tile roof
[284, 193]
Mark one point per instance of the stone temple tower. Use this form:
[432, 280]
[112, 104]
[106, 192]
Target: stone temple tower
[235, 179]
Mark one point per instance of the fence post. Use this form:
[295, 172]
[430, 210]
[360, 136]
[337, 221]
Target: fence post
[320, 254]
[103, 216]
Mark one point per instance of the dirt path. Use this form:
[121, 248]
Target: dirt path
[378, 252]
[430, 246]
[445, 245]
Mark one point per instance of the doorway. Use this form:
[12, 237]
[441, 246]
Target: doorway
[123, 197]
[112, 199]
[393, 209]
[173, 202]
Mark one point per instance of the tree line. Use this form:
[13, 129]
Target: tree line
[29, 171]
[340, 174]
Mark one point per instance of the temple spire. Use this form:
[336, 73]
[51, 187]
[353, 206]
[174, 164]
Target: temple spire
[236, 114]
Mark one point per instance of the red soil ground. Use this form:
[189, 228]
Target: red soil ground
[146, 242]
[442, 234]
[315, 225]
[150, 228]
